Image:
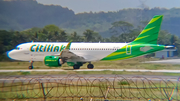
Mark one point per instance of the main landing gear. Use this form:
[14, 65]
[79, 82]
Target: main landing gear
[31, 66]
[79, 64]
[90, 66]
[76, 66]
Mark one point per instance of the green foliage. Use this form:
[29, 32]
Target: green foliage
[91, 36]
[121, 27]
[51, 28]
[21, 96]
[25, 73]
[123, 83]
[75, 37]
[164, 38]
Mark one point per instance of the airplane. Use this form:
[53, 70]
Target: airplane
[54, 54]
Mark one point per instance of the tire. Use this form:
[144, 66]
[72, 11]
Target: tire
[76, 66]
[30, 67]
[90, 66]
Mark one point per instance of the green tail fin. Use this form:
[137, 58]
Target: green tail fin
[150, 33]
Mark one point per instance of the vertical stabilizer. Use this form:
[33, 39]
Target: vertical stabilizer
[150, 33]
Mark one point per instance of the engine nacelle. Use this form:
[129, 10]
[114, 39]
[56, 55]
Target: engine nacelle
[52, 61]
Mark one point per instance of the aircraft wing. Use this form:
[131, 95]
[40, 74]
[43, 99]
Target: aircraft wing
[68, 55]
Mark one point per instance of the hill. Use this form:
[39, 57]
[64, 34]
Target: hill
[24, 14]
[101, 22]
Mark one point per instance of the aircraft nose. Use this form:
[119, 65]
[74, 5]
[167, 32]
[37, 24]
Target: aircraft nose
[12, 54]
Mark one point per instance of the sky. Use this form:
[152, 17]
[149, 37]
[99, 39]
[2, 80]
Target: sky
[80, 6]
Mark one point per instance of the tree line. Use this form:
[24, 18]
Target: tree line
[120, 31]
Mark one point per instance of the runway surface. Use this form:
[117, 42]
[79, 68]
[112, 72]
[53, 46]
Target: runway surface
[170, 61]
[127, 70]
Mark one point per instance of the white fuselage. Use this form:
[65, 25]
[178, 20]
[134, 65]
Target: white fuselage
[36, 51]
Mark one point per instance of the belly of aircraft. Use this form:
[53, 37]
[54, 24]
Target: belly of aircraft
[87, 55]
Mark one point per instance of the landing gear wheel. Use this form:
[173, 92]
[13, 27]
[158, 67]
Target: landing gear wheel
[90, 66]
[76, 66]
[31, 67]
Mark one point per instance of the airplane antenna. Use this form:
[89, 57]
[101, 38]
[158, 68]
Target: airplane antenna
[143, 5]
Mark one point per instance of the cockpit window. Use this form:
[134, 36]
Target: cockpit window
[17, 48]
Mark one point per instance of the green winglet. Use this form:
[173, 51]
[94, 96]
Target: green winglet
[68, 45]
[150, 33]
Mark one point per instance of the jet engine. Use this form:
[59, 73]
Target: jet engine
[53, 61]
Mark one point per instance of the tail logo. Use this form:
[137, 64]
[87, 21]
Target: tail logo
[146, 48]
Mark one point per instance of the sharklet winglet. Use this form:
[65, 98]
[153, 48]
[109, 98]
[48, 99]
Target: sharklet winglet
[68, 45]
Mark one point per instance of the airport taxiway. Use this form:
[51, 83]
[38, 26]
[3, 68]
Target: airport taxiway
[85, 77]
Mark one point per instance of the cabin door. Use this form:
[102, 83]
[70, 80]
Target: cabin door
[128, 49]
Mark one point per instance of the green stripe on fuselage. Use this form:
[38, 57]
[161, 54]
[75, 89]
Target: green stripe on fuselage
[135, 50]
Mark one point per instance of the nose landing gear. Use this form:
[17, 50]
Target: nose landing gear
[31, 66]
